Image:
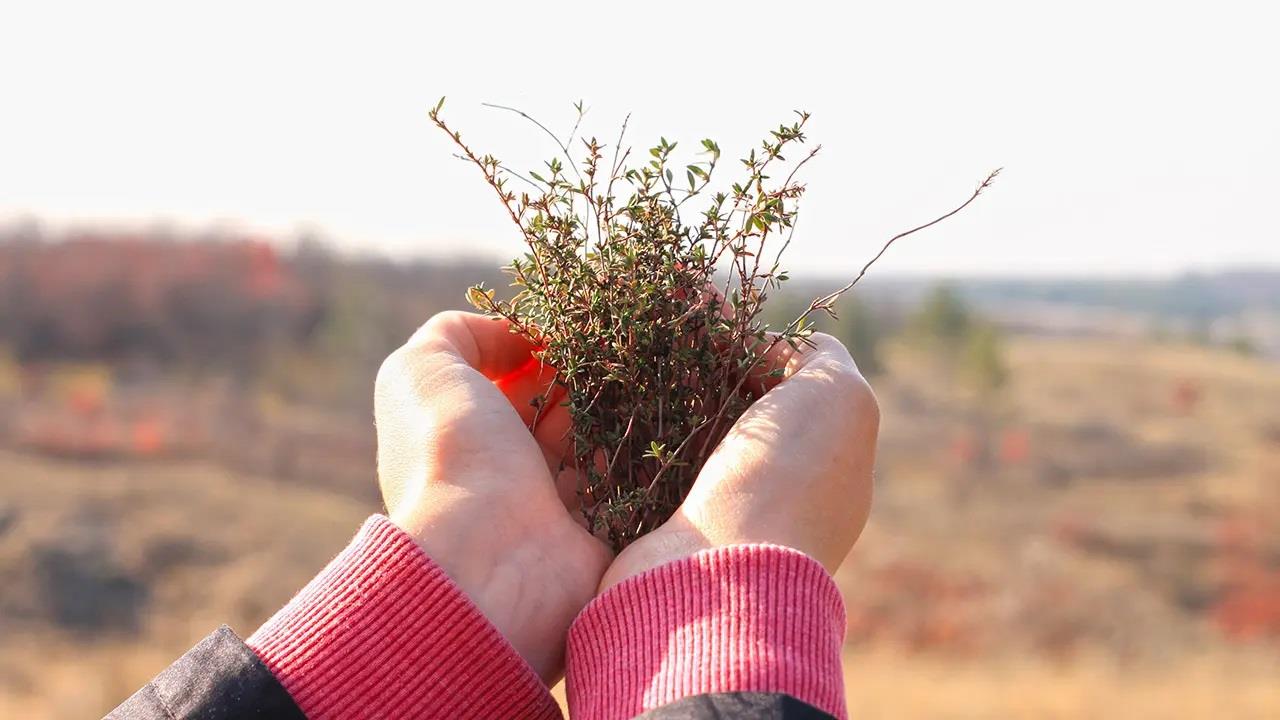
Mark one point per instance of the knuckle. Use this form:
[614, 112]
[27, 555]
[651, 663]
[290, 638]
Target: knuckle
[826, 340]
[851, 395]
[436, 326]
[389, 372]
[411, 366]
[831, 346]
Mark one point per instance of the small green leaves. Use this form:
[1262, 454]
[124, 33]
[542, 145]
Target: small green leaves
[439, 106]
[480, 298]
[614, 292]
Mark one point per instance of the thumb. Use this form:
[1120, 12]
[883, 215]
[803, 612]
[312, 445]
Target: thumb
[820, 401]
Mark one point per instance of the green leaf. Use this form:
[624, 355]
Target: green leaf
[480, 298]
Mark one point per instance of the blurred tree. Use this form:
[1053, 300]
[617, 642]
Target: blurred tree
[10, 378]
[946, 327]
[983, 361]
[943, 321]
[858, 326]
[115, 297]
[968, 351]
[1242, 345]
[859, 329]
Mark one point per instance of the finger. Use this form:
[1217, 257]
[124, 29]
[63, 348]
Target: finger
[507, 360]
[816, 424]
[777, 352]
[569, 487]
[813, 380]
[822, 354]
[529, 387]
[779, 361]
[541, 405]
[782, 360]
[486, 344]
[553, 429]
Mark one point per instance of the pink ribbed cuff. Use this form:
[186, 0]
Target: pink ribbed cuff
[741, 618]
[382, 632]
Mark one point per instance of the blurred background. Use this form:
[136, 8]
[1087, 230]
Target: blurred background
[216, 220]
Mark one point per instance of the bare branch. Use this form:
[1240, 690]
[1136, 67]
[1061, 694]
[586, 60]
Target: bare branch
[982, 186]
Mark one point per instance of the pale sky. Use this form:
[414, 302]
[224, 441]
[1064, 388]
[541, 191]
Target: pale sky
[1137, 137]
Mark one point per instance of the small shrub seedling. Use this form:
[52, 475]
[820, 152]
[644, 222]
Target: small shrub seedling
[649, 318]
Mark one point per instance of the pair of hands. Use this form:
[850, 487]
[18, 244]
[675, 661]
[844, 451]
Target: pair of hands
[464, 474]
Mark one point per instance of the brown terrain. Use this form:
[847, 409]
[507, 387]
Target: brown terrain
[1093, 536]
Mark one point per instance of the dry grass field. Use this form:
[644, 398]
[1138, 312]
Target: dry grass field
[1097, 540]
[1219, 684]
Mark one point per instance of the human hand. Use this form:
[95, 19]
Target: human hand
[462, 472]
[794, 470]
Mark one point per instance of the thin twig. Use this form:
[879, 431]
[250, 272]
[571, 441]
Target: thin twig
[983, 186]
[563, 147]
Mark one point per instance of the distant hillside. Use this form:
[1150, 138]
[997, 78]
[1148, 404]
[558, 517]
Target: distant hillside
[230, 300]
[1240, 308]
[1192, 296]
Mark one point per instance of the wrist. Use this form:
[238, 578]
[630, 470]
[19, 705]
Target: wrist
[383, 632]
[741, 618]
[463, 550]
[676, 540]
[494, 566]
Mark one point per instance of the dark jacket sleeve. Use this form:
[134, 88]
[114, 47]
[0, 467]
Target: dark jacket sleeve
[738, 706]
[220, 678]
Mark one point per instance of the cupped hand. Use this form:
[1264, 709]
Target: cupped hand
[462, 471]
[794, 470]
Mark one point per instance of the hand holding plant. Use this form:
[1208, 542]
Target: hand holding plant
[649, 320]
[461, 472]
[794, 470]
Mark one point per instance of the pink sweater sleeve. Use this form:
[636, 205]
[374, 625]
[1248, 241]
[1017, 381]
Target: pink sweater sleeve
[740, 618]
[382, 632]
